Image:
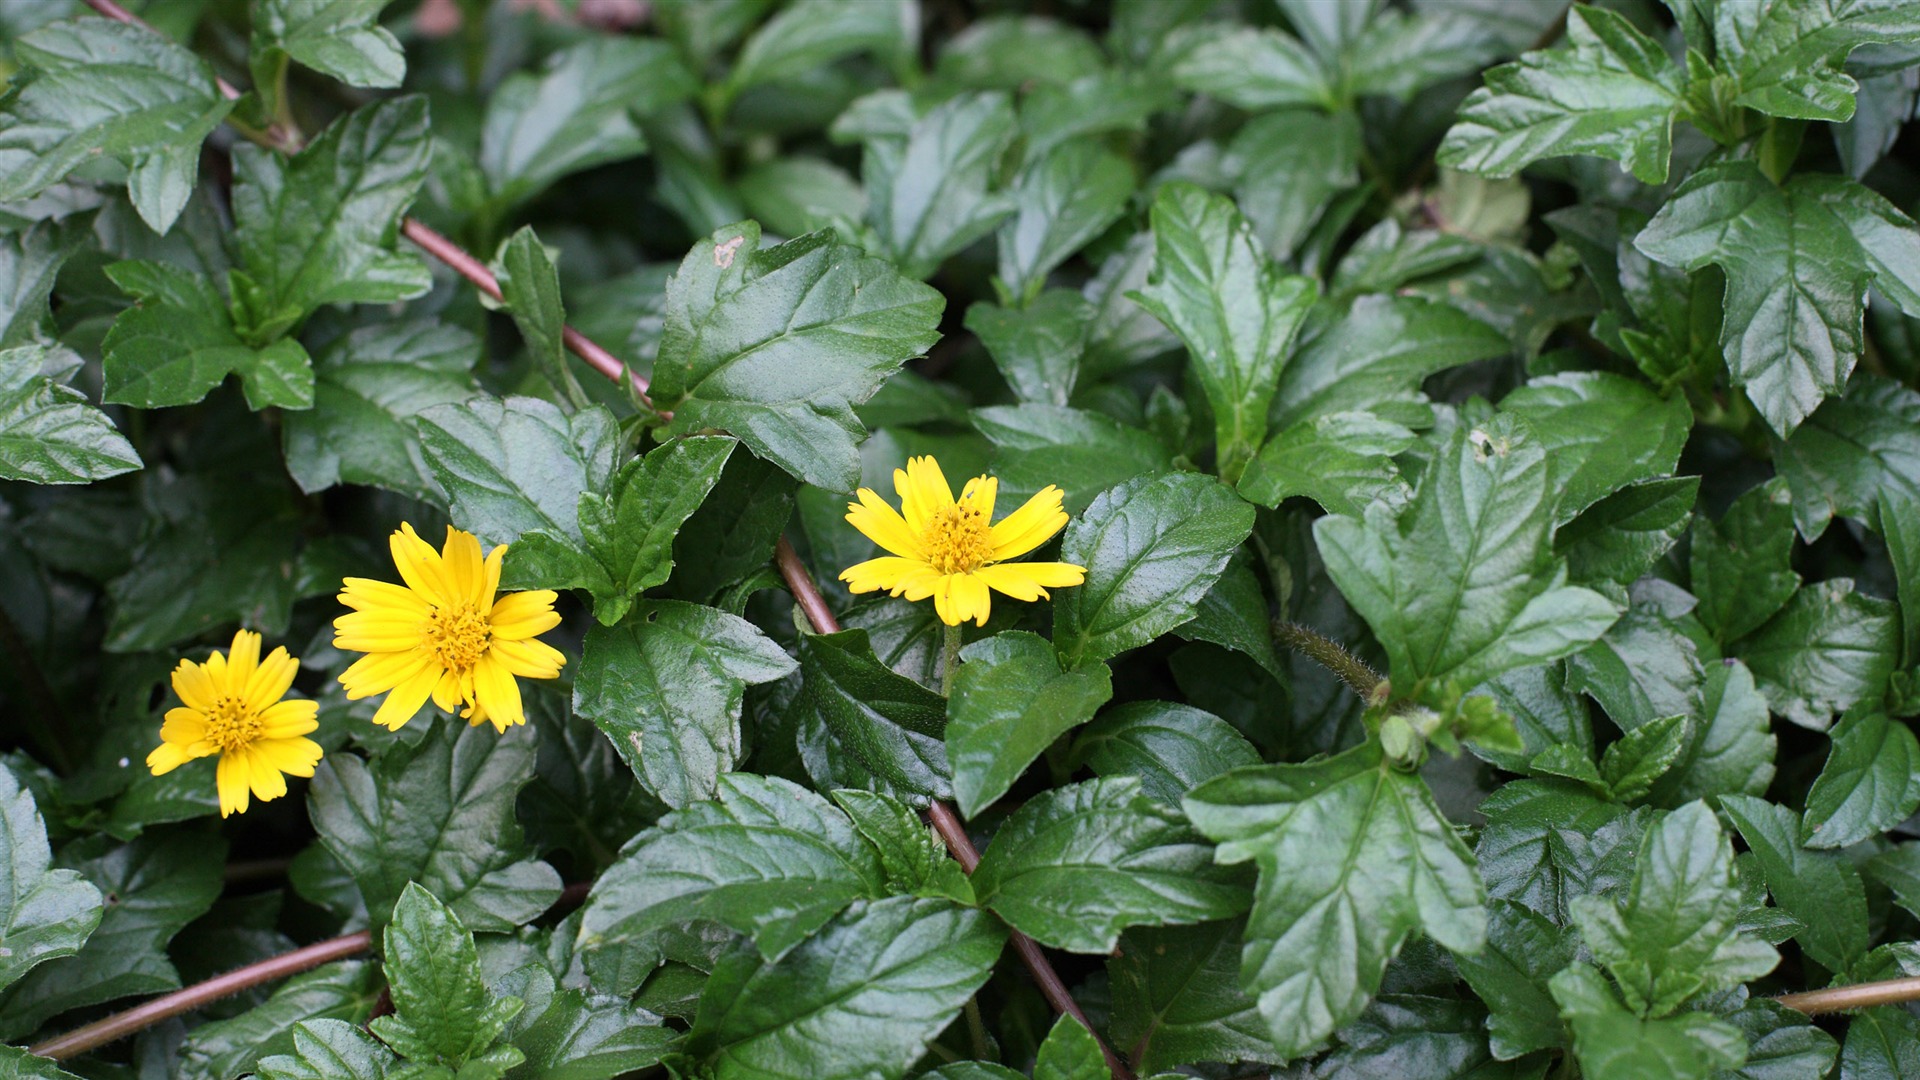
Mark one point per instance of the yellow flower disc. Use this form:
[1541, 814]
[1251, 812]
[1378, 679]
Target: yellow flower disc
[952, 549]
[231, 706]
[444, 634]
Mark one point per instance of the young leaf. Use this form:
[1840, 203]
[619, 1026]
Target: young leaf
[778, 345]
[1237, 312]
[1613, 1043]
[666, 686]
[94, 86]
[1819, 888]
[329, 1050]
[861, 725]
[1061, 202]
[1612, 92]
[1010, 702]
[1464, 586]
[1170, 748]
[1788, 62]
[1070, 1052]
[49, 434]
[1177, 998]
[1079, 864]
[862, 998]
[515, 465]
[443, 1012]
[1673, 935]
[916, 861]
[928, 189]
[768, 859]
[440, 814]
[178, 342]
[45, 913]
[1153, 547]
[530, 287]
[1618, 539]
[1868, 784]
[338, 38]
[1323, 929]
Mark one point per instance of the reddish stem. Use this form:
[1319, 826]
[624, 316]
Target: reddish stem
[804, 590]
[1858, 996]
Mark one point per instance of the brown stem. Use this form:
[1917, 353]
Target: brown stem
[804, 590]
[122, 1024]
[960, 845]
[1857, 996]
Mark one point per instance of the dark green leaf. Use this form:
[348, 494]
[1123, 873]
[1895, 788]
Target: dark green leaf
[443, 1012]
[1613, 1043]
[1010, 702]
[1781, 1043]
[515, 465]
[1378, 350]
[224, 1048]
[1234, 615]
[1323, 929]
[1070, 1052]
[1171, 748]
[1079, 864]
[778, 345]
[1177, 998]
[1037, 348]
[340, 38]
[440, 814]
[733, 533]
[93, 86]
[1882, 1044]
[812, 34]
[45, 913]
[767, 858]
[569, 1034]
[915, 860]
[862, 998]
[530, 288]
[1464, 586]
[1081, 452]
[1236, 310]
[1619, 538]
[1819, 888]
[1524, 951]
[1829, 648]
[1343, 461]
[1868, 784]
[1548, 842]
[329, 1050]
[1787, 62]
[1287, 166]
[19, 1063]
[177, 342]
[49, 434]
[863, 726]
[1253, 69]
[928, 189]
[1152, 547]
[1061, 202]
[1742, 565]
[1602, 432]
[667, 685]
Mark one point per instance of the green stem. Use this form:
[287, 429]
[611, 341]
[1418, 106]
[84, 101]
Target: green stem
[1363, 679]
[977, 1029]
[949, 660]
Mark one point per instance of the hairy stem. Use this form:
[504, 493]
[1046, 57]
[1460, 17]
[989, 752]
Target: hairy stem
[1328, 654]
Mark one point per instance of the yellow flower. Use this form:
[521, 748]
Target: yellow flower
[231, 706]
[946, 548]
[444, 635]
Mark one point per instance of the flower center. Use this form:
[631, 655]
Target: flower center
[232, 723]
[458, 635]
[956, 539]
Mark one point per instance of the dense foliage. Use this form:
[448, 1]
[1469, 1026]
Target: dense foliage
[1489, 431]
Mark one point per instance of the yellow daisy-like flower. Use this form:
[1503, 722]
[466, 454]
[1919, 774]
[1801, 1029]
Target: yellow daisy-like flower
[231, 706]
[950, 549]
[444, 635]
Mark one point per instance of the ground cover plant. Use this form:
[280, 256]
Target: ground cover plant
[959, 539]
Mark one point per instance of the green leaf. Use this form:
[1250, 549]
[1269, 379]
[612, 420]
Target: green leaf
[1673, 935]
[1819, 888]
[768, 859]
[1287, 167]
[178, 342]
[1612, 1043]
[530, 288]
[49, 434]
[1742, 565]
[1374, 351]
[318, 228]
[666, 686]
[1061, 202]
[93, 87]
[1081, 452]
[1070, 1052]
[1524, 951]
[778, 345]
[19, 1063]
[441, 814]
[339, 38]
[1399, 53]
[1881, 1042]
[1010, 702]
[329, 1050]
[518, 464]
[154, 887]
[368, 386]
[863, 726]
[812, 34]
[30, 262]
[1237, 311]
[1153, 547]
[1829, 648]
[928, 189]
[570, 1034]
[1546, 843]
[1634, 761]
[915, 860]
[1854, 448]
[1781, 1042]
[45, 914]
[443, 1012]
[1602, 432]
[1788, 62]
[1177, 998]
[732, 535]
[862, 998]
[626, 534]
[1343, 461]
[578, 111]
[1619, 538]
[1868, 783]
[230, 1047]
[1077, 865]
[1249, 68]
[1234, 615]
[1171, 748]
[1612, 93]
[1323, 929]
[1464, 586]
[1898, 868]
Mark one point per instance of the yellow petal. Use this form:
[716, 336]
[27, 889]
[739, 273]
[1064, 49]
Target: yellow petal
[272, 679]
[885, 572]
[483, 593]
[981, 491]
[263, 776]
[242, 661]
[405, 700]
[447, 693]
[529, 659]
[167, 757]
[422, 568]
[216, 669]
[191, 682]
[1030, 526]
[288, 719]
[384, 598]
[232, 781]
[924, 492]
[465, 570]
[495, 691]
[1031, 580]
[184, 726]
[521, 615]
[363, 631]
[295, 757]
[376, 673]
[881, 524]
